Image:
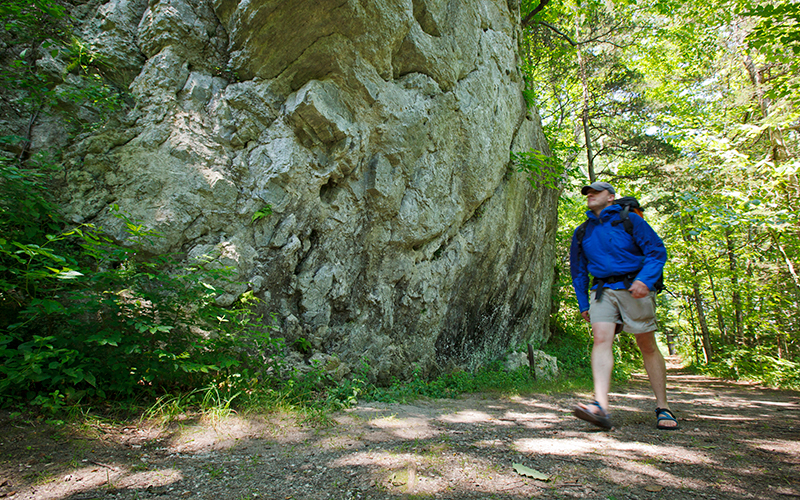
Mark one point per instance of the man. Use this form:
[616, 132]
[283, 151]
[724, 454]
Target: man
[625, 268]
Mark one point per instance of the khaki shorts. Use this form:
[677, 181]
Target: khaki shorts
[619, 306]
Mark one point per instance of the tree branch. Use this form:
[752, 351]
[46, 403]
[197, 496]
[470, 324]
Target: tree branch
[536, 10]
[597, 38]
[559, 33]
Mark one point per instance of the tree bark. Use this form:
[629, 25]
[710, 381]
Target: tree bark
[701, 319]
[536, 10]
[723, 329]
[786, 259]
[736, 296]
[687, 305]
[585, 117]
[778, 150]
[778, 145]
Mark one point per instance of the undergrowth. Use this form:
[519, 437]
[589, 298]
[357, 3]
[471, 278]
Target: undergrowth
[313, 395]
[756, 364]
[492, 378]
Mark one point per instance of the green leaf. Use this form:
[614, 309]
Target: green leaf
[527, 471]
[263, 213]
[66, 273]
[49, 306]
[104, 338]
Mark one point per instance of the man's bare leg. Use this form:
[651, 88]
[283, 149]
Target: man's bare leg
[602, 363]
[656, 369]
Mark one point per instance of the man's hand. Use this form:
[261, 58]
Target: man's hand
[639, 290]
[585, 315]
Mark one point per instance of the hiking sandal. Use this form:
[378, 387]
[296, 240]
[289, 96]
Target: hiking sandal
[601, 419]
[663, 415]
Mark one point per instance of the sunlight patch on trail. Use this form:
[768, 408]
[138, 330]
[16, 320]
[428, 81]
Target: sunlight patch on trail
[406, 428]
[608, 448]
[781, 404]
[153, 479]
[532, 420]
[467, 417]
[727, 418]
[95, 477]
[425, 475]
[490, 444]
[772, 446]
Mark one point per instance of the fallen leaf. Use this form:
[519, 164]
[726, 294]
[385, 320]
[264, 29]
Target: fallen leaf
[653, 487]
[527, 471]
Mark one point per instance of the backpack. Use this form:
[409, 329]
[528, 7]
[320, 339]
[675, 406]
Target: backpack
[629, 204]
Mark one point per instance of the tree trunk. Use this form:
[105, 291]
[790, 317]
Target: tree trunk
[786, 259]
[736, 297]
[778, 150]
[585, 110]
[688, 305]
[701, 319]
[529, 18]
[723, 330]
[778, 145]
[751, 324]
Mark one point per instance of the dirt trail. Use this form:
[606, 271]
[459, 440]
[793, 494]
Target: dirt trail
[737, 441]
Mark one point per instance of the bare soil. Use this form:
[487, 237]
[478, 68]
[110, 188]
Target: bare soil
[737, 441]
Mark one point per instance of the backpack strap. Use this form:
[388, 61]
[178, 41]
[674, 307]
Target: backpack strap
[626, 279]
[581, 232]
[625, 220]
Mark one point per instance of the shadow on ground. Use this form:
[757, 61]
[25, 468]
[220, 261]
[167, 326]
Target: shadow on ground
[737, 441]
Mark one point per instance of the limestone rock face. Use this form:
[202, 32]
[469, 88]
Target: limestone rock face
[380, 135]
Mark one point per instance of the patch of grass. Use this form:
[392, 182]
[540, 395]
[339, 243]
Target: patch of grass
[571, 344]
[212, 471]
[492, 378]
[139, 467]
[40, 478]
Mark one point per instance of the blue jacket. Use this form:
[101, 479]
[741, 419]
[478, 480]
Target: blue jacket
[608, 250]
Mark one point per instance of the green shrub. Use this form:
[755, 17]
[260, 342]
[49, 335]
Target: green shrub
[627, 357]
[571, 344]
[84, 316]
[754, 363]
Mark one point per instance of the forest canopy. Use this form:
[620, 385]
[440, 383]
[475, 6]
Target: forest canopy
[693, 108]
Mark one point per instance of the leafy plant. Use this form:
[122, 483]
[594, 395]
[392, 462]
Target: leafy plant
[543, 171]
[757, 364]
[104, 322]
[262, 213]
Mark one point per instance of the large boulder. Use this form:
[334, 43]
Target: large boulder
[379, 133]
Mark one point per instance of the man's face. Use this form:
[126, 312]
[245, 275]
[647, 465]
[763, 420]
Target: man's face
[598, 200]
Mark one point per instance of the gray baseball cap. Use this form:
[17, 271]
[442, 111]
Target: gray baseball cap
[598, 186]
